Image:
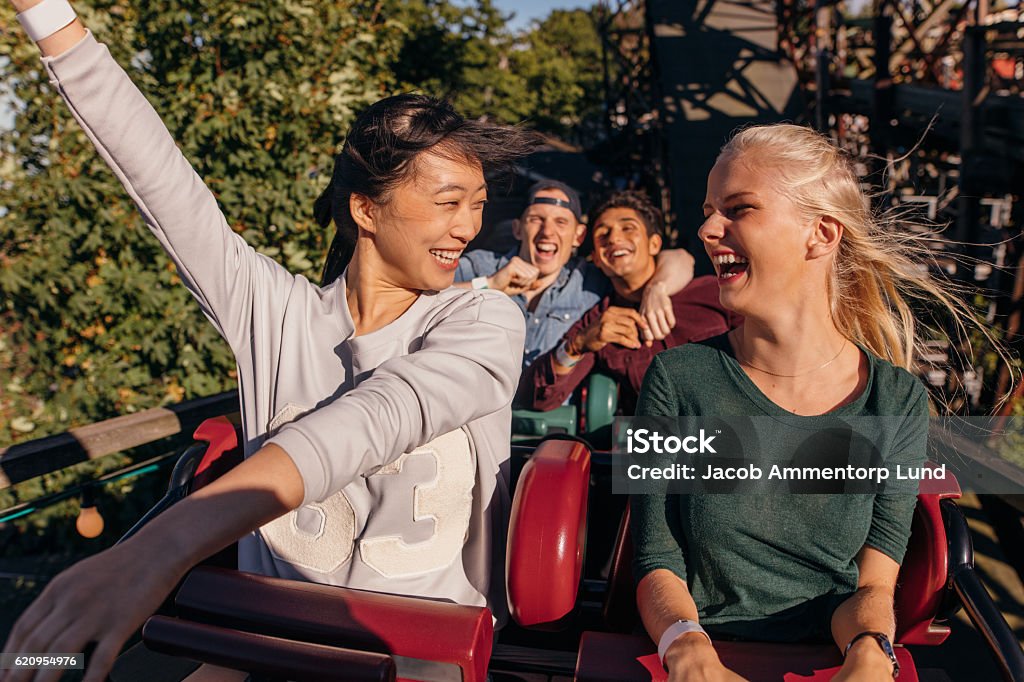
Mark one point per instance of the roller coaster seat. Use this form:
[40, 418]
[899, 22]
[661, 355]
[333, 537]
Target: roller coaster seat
[922, 602]
[297, 630]
[589, 414]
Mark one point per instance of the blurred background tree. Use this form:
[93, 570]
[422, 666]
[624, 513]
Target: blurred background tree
[93, 320]
[562, 66]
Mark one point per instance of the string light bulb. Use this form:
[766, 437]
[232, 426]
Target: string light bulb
[89, 523]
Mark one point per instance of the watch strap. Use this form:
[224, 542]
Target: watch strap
[563, 357]
[883, 642]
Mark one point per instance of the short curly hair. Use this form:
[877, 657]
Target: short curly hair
[649, 214]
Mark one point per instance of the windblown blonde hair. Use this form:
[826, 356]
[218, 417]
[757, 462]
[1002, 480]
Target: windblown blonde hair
[881, 268]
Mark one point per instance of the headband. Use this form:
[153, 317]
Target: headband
[555, 202]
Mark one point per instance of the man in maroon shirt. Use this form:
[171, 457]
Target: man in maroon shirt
[628, 233]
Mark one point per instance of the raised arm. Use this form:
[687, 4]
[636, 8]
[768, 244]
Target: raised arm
[216, 264]
[59, 42]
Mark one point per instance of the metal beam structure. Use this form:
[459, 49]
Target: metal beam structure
[716, 66]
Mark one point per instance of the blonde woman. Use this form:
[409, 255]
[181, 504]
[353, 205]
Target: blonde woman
[828, 330]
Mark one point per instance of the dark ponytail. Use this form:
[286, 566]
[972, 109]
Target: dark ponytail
[378, 156]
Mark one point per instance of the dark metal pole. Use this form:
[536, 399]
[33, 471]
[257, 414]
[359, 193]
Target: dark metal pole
[978, 605]
[970, 134]
[881, 104]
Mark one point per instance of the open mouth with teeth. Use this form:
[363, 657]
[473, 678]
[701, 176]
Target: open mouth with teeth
[730, 266]
[545, 250]
[447, 259]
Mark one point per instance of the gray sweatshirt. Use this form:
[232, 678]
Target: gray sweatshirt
[401, 436]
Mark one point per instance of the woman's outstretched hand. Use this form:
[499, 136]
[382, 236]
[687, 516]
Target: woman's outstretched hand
[105, 598]
[101, 600]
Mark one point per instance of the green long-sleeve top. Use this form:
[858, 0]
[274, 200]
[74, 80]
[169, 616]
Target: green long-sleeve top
[771, 567]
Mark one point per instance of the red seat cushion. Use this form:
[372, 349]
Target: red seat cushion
[922, 581]
[547, 534]
[222, 452]
[605, 657]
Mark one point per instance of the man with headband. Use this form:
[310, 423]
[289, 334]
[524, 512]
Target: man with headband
[552, 286]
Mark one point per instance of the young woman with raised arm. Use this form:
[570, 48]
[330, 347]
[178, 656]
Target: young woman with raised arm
[380, 397]
[826, 293]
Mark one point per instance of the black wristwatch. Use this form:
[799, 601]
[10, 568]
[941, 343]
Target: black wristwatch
[883, 641]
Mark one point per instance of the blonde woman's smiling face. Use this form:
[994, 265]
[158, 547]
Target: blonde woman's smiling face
[756, 238]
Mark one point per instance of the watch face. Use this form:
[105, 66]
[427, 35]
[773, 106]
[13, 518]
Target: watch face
[886, 645]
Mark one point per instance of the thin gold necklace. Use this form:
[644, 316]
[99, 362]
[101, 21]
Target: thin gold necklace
[791, 376]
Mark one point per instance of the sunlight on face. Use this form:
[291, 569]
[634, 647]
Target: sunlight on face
[429, 220]
[548, 234]
[755, 236]
[622, 247]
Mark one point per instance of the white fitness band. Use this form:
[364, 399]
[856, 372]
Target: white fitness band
[43, 20]
[562, 356]
[674, 632]
[480, 283]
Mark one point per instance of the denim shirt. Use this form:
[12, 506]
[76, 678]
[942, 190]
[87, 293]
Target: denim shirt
[579, 287]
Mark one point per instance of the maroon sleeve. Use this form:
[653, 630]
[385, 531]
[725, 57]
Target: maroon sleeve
[542, 389]
[699, 316]
[631, 364]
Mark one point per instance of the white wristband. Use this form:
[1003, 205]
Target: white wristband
[43, 20]
[674, 632]
[562, 356]
[480, 283]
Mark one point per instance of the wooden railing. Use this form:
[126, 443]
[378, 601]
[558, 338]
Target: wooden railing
[27, 460]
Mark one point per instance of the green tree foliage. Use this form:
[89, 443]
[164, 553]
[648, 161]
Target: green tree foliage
[94, 321]
[549, 76]
[461, 52]
[562, 66]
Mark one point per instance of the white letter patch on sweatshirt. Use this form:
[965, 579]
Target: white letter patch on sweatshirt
[317, 536]
[321, 536]
[448, 500]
